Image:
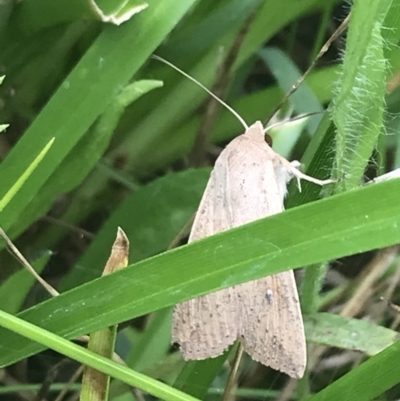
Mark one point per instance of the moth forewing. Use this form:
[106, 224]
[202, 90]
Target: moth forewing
[248, 182]
[205, 326]
[272, 325]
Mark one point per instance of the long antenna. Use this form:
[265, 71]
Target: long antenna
[236, 114]
[323, 50]
[299, 117]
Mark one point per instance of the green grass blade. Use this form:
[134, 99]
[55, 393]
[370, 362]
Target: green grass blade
[358, 107]
[331, 228]
[367, 381]
[92, 359]
[11, 193]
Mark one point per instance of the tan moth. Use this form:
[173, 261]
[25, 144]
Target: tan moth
[247, 183]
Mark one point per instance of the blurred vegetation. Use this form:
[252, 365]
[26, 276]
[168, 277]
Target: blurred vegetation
[134, 143]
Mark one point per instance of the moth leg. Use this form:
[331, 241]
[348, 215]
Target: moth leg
[294, 169]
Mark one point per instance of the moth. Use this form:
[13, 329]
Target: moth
[248, 182]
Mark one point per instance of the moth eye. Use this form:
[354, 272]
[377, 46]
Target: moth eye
[268, 139]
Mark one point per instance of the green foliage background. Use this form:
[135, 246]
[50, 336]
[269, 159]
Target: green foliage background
[123, 126]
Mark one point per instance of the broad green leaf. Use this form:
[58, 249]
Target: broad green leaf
[83, 96]
[351, 334]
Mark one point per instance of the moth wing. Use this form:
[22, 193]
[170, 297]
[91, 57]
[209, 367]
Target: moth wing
[271, 324]
[205, 326]
[270, 321]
